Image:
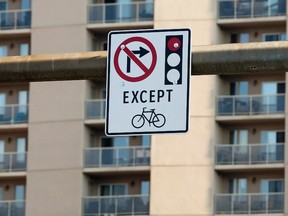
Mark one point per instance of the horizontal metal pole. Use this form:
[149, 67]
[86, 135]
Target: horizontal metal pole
[228, 59]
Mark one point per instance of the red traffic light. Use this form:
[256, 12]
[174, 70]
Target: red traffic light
[174, 44]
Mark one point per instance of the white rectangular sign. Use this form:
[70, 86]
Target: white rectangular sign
[148, 77]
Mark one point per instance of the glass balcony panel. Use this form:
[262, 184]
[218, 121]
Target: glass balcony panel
[5, 160]
[91, 206]
[112, 13]
[23, 19]
[141, 205]
[241, 154]
[258, 203]
[142, 156]
[146, 11]
[250, 105]
[116, 205]
[242, 105]
[92, 158]
[128, 13]
[124, 205]
[243, 9]
[7, 20]
[17, 208]
[240, 204]
[96, 14]
[121, 12]
[223, 204]
[18, 162]
[95, 109]
[275, 203]
[225, 106]
[107, 205]
[224, 155]
[4, 209]
[114, 157]
[5, 114]
[249, 203]
[226, 9]
[20, 113]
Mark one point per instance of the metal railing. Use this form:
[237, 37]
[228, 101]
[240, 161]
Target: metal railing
[121, 12]
[249, 154]
[12, 208]
[249, 203]
[11, 114]
[117, 157]
[15, 19]
[250, 105]
[116, 205]
[237, 9]
[12, 162]
[95, 109]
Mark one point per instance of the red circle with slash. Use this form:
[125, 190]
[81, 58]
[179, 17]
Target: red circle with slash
[147, 70]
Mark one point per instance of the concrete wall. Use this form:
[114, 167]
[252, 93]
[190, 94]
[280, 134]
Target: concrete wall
[56, 128]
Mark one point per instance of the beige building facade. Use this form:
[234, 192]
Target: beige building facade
[55, 159]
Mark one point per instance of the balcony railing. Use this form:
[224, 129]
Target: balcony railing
[121, 12]
[15, 19]
[12, 208]
[116, 205]
[249, 203]
[117, 157]
[95, 109]
[250, 105]
[12, 162]
[237, 9]
[249, 154]
[11, 114]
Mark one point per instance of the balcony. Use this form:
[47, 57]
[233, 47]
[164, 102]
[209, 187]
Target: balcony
[250, 105]
[251, 154]
[235, 9]
[251, 10]
[116, 205]
[117, 157]
[262, 203]
[13, 114]
[12, 208]
[13, 162]
[95, 109]
[15, 19]
[121, 13]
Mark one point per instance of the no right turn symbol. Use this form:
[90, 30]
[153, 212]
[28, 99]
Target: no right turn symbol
[137, 51]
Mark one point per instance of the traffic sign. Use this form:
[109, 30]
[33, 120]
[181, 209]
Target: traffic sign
[148, 78]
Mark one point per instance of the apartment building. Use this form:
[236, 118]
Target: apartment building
[55, 159]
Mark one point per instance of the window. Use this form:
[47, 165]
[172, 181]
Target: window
[239, 88]
[3, 5]
[21, 149]
[22, 101]
[3, 51]
[240, 38]
[20, 192]
[272, 186]
[238, 186]
[274, 37]
[113, 189]
[145, 187]
[25, 4]
[239, 137]
[146, 140]
[273, 97]
[2, 105]
[24, 49]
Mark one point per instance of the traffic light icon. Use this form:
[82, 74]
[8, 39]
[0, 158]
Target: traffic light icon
[173, 58]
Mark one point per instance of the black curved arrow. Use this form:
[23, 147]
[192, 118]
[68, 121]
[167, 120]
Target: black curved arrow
[141, 52]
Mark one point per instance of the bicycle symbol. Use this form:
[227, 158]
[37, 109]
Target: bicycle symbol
[157, 119]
